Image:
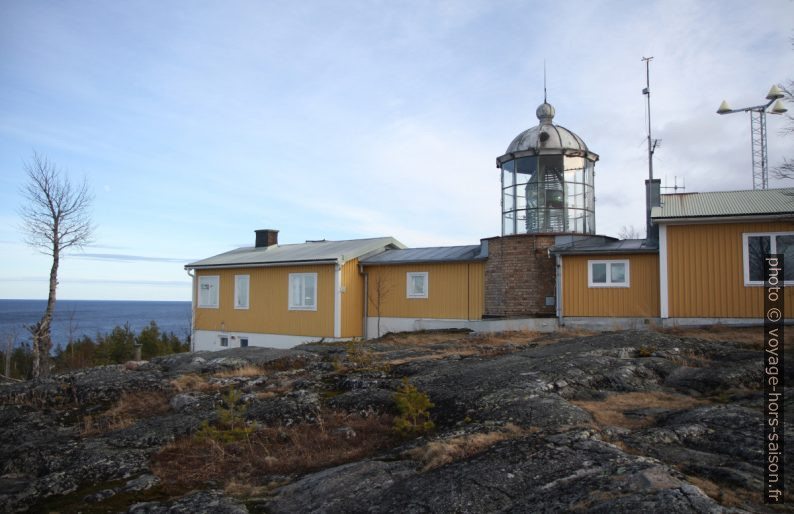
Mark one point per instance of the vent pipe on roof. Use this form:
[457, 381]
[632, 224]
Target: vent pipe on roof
[266, 237]
[653, 192]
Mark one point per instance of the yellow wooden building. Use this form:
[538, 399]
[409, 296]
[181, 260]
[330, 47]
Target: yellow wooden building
[418, 288]
[711, 251]
[281, 295]
[701, 263]
[707, 266]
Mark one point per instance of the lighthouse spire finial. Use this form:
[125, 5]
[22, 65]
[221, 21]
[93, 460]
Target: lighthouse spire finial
[544, 81]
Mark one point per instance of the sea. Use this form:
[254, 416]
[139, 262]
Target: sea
[75, 318]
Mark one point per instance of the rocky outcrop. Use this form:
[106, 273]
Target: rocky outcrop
[615, 422]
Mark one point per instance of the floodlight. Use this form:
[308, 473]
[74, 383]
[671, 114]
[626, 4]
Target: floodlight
[724, 108]
[774, 93]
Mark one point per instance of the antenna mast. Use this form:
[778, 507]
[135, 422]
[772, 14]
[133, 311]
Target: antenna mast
[649, 232]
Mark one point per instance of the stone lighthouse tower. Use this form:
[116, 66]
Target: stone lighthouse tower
[547, 176]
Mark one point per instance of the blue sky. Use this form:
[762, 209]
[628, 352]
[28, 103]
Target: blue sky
[196, 123]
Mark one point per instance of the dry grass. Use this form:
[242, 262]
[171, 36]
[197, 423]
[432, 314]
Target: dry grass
[730, 496]
[415, 339]
[457, 344]
[439, 453]
[126, 411]
[245, 371]
[748, 336]
[192, 382]
[242, 489]
[595, 498]
[689, 358]
[338, 438]
[569, 332]
[612, 410]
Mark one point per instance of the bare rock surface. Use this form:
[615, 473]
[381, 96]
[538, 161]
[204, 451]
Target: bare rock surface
[613, 422]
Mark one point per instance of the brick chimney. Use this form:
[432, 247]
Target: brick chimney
[266, 237]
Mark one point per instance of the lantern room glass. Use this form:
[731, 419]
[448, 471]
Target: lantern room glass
[548, 194]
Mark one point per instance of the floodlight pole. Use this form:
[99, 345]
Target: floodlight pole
[758, 147]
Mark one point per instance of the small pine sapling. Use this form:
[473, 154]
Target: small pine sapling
[230, 425]
[414, 418]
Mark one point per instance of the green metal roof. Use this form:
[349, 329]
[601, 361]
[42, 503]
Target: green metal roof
[752, 202]
[303, 253]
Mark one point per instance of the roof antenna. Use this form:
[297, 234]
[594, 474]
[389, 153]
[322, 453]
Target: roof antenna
[544, 81]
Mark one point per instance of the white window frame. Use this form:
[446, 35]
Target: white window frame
[608, 283]
[237, 286]
[772, 249]
[298, 304]
[214, 280]
[408, 276]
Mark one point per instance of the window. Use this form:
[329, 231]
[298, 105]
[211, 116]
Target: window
[608, 273]
[757, 246]
[416, 285]
[243, 342]
[224, 341]
[303, 291]
[241, 291]
[208, 291]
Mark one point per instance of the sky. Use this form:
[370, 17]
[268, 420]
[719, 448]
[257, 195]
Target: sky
[196, 123]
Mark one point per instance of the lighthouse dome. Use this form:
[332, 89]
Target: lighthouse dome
[546, 135]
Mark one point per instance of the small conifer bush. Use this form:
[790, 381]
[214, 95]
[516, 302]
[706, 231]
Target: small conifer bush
[230, 425]
[414, 418]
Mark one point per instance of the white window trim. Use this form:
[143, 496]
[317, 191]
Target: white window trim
[247, 293]
[291, 304]
[408, 277]
[198, 292]
[609, 282]
[772, 249]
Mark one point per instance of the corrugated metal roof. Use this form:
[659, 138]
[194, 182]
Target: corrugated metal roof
[752, 202]
[311, 251]
[433, 254]
[602, 245]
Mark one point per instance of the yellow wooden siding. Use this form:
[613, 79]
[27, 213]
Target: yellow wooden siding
[455, 291]
[268, 311]
[352, 300]
[705, 271]
[640, 299]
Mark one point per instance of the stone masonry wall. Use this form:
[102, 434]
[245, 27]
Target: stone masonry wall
[519, 275]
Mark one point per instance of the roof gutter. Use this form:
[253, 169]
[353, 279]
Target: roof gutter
[423, 261]
[603, 252]
[263, 264]
[684, 220]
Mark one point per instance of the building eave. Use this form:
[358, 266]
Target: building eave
[263, 264]
[729, 218]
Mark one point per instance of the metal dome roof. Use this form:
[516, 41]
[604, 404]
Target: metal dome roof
[546, 135]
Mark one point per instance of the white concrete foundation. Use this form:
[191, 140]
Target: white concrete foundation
[485, 325]
[736, 322]
[608, 324]
[210, 340]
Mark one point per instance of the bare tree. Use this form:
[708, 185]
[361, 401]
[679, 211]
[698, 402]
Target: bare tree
[55, 218]
[10, 337]
[377, 295]
[629, 232]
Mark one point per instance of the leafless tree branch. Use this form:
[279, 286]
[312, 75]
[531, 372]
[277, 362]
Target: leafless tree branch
[55, 217]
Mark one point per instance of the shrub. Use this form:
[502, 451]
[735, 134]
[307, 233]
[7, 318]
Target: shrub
[341, 437]
[230, 425]
[129, 408]
[414, 418]
[439, 453]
